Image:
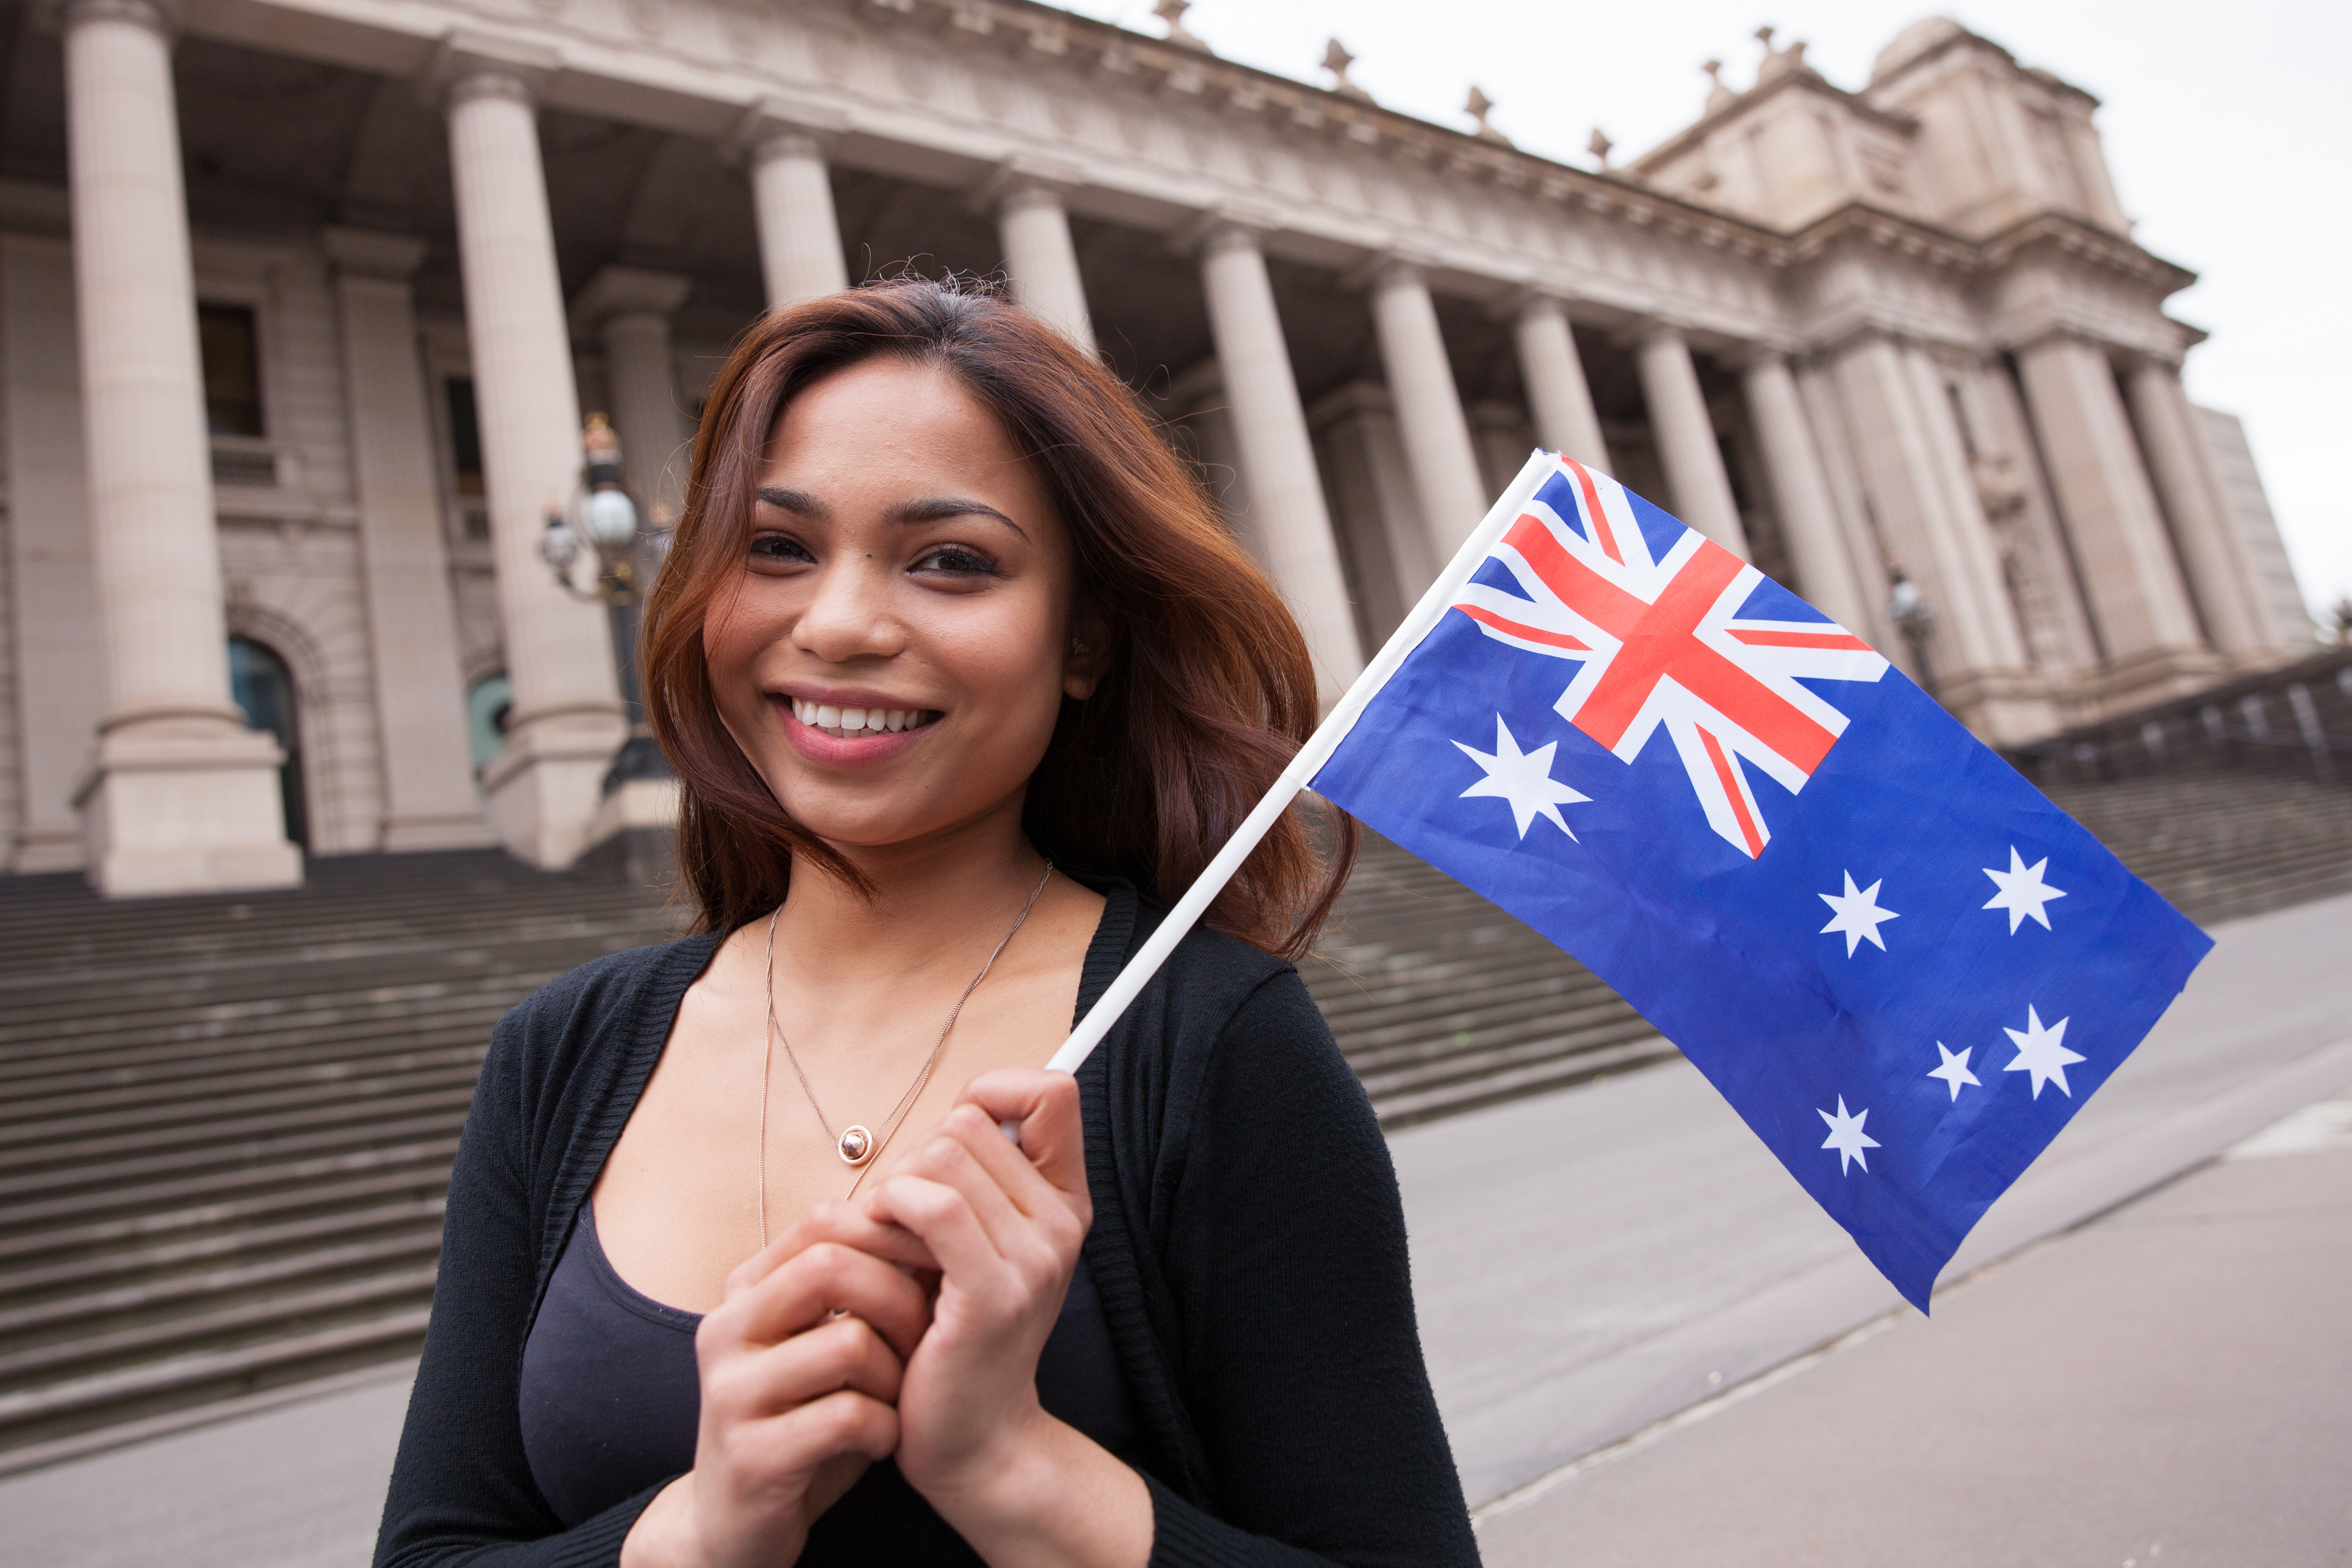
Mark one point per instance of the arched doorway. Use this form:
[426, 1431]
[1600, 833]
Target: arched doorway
[264, 688]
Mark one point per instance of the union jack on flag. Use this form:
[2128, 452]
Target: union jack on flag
[1661, 641]
[1902, 966]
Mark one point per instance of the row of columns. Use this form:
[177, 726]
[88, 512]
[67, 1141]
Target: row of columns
[184, 796]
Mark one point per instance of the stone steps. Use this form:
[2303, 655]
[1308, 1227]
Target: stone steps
[225, 1123]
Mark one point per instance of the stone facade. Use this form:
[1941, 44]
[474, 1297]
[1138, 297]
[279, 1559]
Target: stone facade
[1842, 333]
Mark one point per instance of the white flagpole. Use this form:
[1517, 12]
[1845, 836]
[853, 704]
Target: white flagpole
[1309, 760]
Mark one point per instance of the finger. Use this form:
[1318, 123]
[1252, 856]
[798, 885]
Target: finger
[846, 1223]
[1045, 1104]
[805, 1289]
[840, 1354]
[947, 1161]
[1022, 1184]
[801, 1440]
[943, 1217]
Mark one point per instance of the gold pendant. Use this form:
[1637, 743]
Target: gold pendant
[857, 1146]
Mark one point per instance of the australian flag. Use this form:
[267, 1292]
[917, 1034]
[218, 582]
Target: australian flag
[1901, 964]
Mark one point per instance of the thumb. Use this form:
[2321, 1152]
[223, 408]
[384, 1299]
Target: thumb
[1039, 1110]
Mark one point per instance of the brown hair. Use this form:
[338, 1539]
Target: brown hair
[1208, 690]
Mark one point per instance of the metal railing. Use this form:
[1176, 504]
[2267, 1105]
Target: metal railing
[2296, 720]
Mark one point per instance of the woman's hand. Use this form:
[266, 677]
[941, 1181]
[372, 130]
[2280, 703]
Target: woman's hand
[800, 1366]
[1004, 1222]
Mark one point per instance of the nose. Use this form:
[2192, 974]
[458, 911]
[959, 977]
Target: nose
[849, 616]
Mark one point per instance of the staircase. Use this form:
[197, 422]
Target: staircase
[1442, 1003]
[2222, 845]
[226, 1122]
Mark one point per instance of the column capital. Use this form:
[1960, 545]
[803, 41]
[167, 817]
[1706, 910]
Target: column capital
[2050, 333]
[774, 126]
[1388, 268]
[1529, 302]
[628, 291]
[1224, 228]
[469, 65]
[372, 253]
[2148, 360]
[1023, 181]
[162, 18]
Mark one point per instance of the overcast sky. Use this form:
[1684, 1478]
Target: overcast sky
[2227, 127]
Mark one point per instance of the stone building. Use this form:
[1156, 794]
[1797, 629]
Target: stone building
[302, 302]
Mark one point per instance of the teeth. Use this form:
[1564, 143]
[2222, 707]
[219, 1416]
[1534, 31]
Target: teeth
[844, 722]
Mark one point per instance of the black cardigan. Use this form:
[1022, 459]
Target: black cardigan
[1248, 1244]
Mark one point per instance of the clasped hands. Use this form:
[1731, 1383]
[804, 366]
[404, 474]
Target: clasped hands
[905, 1322]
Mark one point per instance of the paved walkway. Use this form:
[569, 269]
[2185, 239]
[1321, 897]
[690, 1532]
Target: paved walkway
[1588, 1264]
[2166, 1387]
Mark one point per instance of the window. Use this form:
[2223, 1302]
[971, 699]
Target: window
[231, 352]
[464, 435]
[489, 702]
[263, 687]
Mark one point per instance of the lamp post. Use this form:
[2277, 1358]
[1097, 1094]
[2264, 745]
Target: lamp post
[600, 511]
[1915, 617]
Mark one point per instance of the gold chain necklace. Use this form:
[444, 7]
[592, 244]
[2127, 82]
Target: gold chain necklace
[857, 1145]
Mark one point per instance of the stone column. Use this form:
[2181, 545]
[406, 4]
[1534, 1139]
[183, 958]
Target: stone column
[420, 688]
[2143, 613]
[2220, 578]
[792, 201]
[59, 667]
[630, 309]
[1285, 491]
[182, 796]
[544, 785]
[1930, 524]
[1429, 409]
[1041, 260]
[1825, 569]
[1685, 437]
[1557, 395]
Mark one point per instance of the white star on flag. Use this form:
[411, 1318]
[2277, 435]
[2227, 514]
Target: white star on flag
[2023, 893]
[1857, 915]
[2040, 1051]
[1846, 1136]
[1955, 1071]
[1522, 778]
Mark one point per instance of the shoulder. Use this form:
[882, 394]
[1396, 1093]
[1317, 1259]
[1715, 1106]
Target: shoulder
[596, 994]
[1220, 1017]
[585, 1022]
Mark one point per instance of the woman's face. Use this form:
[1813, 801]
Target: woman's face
[898, 646]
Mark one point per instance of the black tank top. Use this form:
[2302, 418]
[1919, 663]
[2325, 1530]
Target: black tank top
[611, 1398]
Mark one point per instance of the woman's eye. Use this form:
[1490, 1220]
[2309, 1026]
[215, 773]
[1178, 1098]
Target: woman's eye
[956, 561]
[777, 549]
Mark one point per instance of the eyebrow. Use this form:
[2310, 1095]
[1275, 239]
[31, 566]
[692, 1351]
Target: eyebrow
[931, 509]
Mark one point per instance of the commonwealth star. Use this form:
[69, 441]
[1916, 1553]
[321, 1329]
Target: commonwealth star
[1523, 779]
[2042, 1052]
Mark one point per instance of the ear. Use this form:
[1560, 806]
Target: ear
[1086, 654]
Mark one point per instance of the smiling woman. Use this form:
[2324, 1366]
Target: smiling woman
[964, 682]
[1202, 686]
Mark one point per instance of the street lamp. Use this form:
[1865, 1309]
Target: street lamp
[601, 510]
[1915, 617]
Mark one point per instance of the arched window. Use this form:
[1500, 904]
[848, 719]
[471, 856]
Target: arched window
[487, 702]
[264, 688]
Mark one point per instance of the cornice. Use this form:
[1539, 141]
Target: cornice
[2056, 235]
[1244, 95]
[1804, 78]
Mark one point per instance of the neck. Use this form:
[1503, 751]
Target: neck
[936, 901]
